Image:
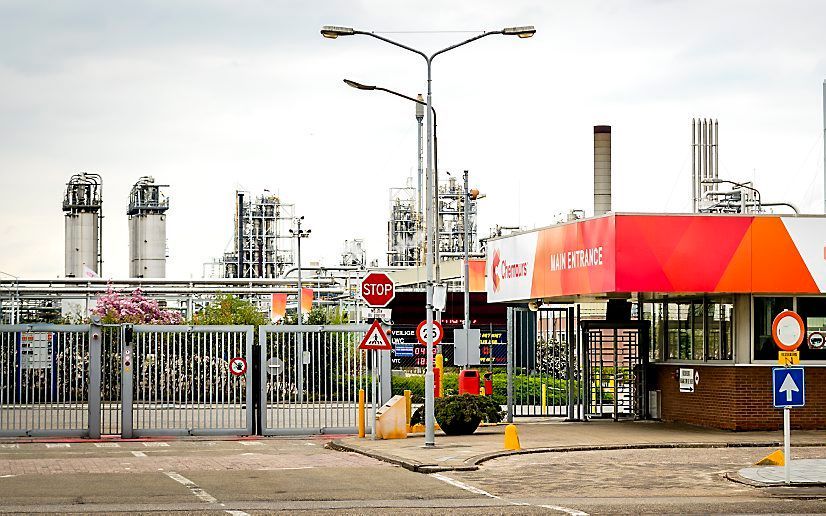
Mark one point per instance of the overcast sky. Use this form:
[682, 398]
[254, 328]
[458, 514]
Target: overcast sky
[211, 97]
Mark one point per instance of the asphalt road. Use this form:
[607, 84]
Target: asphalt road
[301, 476]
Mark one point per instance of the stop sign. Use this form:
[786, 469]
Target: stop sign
[377, 289]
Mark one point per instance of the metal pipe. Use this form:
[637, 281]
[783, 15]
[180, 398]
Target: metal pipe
[466, 285]
[176, 290]
[240, 213]
[139, 282]
[824, 146]
[693, 165]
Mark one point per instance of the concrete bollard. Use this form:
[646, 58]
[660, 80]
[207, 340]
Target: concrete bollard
[512, 438]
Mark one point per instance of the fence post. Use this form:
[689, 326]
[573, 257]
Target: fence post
[93, 396]
[572, 344]
[126, 381]
[511, 337]
[252, 374]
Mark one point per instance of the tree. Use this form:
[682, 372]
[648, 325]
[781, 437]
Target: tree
[116, 308]
[230, 310]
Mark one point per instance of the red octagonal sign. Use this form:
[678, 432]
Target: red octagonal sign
[377, 289]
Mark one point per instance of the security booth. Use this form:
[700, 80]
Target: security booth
[661, 316]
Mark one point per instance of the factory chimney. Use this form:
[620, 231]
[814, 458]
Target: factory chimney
[147, 229]
[602, 169]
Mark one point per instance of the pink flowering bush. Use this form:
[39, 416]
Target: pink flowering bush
[115, 308]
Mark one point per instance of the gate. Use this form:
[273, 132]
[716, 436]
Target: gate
[614, 372]
[178, 380]
[311, 376]
[46, 384]
[543, 363]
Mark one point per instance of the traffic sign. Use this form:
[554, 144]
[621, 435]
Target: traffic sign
[788, 386]
[787, 358]
[788, 330]
[377, 289]
[438, 333]
[238, 366]
[375, 338]
[816, 340]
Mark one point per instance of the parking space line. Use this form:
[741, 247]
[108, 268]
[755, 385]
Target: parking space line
[138, 454]
[58, 445]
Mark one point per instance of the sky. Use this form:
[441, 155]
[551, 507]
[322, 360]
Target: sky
[215, 96]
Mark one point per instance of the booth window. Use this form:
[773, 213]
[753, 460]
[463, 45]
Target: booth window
[813, 312]
[765, 310]
[691, 329]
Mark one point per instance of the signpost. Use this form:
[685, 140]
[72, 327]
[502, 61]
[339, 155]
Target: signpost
[788, 383]
[377, 289]
[375, 339]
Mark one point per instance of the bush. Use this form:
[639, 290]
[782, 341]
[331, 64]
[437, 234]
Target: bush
[461, 415]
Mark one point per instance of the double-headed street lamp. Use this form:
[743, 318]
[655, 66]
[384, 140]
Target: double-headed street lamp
[299, 233]
[333, 32]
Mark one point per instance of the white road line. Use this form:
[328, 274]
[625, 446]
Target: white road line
[566, 510]
[138, 454]
[9, 446]
[198, 492]
[7, 476]
[107, 445]
[251, 443]
[57, 445]
[151, 444]
[476, 490]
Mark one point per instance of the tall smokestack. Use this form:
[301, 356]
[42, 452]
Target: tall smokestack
[602, 169]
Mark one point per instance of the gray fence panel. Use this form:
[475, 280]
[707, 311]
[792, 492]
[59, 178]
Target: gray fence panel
[44, 372]
[182, 382]
[311, 376]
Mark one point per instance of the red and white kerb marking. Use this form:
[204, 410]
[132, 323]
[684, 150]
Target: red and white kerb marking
[237, 366]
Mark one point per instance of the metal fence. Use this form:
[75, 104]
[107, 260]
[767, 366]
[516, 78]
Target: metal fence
[311, 377]
[188, 380]
[45, 380]
[544, 374]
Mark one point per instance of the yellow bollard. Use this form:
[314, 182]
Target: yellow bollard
[482, 390]
[408, 407]
[511, 438]
[544, 398]
[361, 413]
[440, 363]
[775, 458]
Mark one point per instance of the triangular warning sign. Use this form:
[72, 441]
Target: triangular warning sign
[375, 338]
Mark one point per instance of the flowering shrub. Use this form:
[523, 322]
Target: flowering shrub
[115, 308]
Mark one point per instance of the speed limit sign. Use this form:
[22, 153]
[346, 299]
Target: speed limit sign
[421, 333]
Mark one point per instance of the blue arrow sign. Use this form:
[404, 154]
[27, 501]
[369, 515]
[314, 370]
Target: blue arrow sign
[789, 387]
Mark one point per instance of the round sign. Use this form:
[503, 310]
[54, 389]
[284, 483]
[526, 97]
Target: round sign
[788, 330]
[816, 340]
[237, 366]
[377, 289]
[438, 333]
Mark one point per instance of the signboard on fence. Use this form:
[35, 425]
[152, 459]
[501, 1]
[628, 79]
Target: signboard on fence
[36, 350]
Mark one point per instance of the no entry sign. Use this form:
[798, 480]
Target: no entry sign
[377, 289]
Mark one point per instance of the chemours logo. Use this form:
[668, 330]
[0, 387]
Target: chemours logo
[502, 270]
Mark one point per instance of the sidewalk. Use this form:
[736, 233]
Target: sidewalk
[551, 435]
[803, 472]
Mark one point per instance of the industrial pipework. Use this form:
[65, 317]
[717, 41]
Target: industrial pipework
[83, 203]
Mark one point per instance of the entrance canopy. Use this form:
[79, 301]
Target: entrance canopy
[628, 253]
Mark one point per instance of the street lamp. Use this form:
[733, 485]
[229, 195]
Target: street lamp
[419, 114]
[299, 234]
[333, 32]
[469, 195]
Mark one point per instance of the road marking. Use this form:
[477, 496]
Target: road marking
[566, 510]
[57, 445]
[198, 492]
[251, 443]
[7, 476]
[155, 445]
[9, 446]
[138, 454]
[107, 445]
[476, 490]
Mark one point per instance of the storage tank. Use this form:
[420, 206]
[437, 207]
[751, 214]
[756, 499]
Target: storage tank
[147, 229]
[82, 205]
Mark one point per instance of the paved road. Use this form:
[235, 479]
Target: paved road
[641, 481]
[299, 475]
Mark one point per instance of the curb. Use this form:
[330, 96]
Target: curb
[472, 463]
[740, 479]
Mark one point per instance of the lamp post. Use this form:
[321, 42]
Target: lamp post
[333, 32]
[299, 234]
[469, 195]
[420, 105]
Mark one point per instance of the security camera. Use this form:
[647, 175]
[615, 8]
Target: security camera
[534, 305]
